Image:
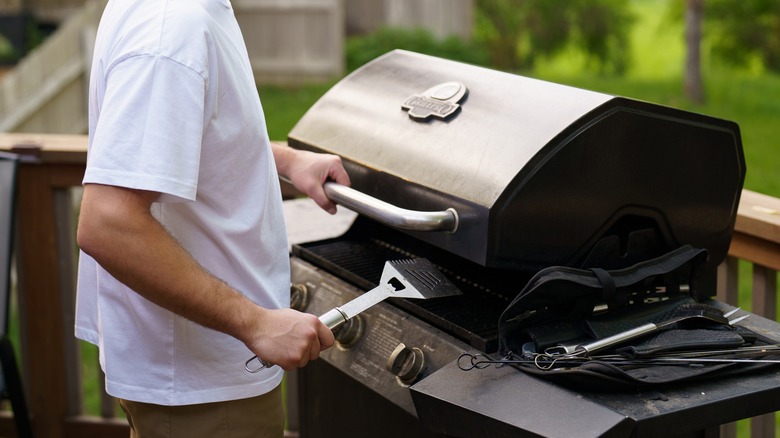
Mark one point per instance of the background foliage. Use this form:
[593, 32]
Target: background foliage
[651, 56]
[745, 31]
[519, 32]
[361, 50]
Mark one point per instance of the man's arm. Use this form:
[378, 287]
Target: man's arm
[117, 229]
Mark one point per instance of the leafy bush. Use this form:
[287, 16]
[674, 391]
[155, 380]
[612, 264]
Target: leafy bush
[362, 49]
[7, 52]
[745, 30]
[521, 32]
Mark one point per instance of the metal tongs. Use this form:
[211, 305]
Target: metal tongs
[578, 354]
[409, 278]
[636, 332]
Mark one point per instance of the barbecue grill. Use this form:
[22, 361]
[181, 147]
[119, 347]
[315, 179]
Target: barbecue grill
[491, 177]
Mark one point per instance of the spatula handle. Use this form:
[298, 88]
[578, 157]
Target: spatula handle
[332, 319]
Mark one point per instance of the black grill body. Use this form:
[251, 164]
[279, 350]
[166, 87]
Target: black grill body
[539, 175]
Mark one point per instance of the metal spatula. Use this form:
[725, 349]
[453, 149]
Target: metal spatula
[410, 278]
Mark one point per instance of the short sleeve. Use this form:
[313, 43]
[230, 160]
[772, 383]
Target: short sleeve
[149, 128]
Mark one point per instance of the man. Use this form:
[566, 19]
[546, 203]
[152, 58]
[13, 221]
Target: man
[184, 271]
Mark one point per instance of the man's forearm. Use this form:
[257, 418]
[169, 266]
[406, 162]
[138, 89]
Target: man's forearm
[283, 156]
[308, 171]
[118, 231]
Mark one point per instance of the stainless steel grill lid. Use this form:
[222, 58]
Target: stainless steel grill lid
[539, 174]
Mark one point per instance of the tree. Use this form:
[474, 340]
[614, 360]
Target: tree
[694, 89]
[518, 32]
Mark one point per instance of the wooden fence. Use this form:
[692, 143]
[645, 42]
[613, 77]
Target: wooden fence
[46, 91]
[293, 41]
[290, 41]
[442, 18]
[10, 7]
[46, 260]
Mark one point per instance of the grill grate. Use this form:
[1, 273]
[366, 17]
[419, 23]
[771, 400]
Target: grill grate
[358, 257]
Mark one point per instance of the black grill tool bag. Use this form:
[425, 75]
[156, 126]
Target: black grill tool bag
[630, 328]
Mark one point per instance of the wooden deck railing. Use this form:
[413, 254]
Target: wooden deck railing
[754, 252]
[51, 362]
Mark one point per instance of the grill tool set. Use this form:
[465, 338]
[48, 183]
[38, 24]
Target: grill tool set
[567, 356]
[633, 327]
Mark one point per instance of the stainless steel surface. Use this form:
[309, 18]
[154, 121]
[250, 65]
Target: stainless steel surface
[505, 120]
[540, 174]
[463, 163]
[416, 279]
[334, 318]
[392, 215]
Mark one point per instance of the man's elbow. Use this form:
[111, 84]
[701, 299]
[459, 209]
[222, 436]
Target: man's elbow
[111, 217]
[87, 235]
[95, 221]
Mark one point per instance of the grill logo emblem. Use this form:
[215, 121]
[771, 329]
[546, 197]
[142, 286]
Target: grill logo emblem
[440, 101]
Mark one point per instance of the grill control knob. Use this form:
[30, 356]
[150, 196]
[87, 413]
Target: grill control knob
[349, 332]
[406, 363]
[299, 297]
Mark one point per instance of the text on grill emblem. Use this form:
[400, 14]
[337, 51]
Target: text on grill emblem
[440, 101]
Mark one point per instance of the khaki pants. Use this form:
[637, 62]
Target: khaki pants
[255, 417]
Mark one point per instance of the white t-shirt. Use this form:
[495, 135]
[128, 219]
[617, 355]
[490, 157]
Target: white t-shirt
[174, 109]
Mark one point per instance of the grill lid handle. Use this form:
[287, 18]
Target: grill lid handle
[389, 214]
